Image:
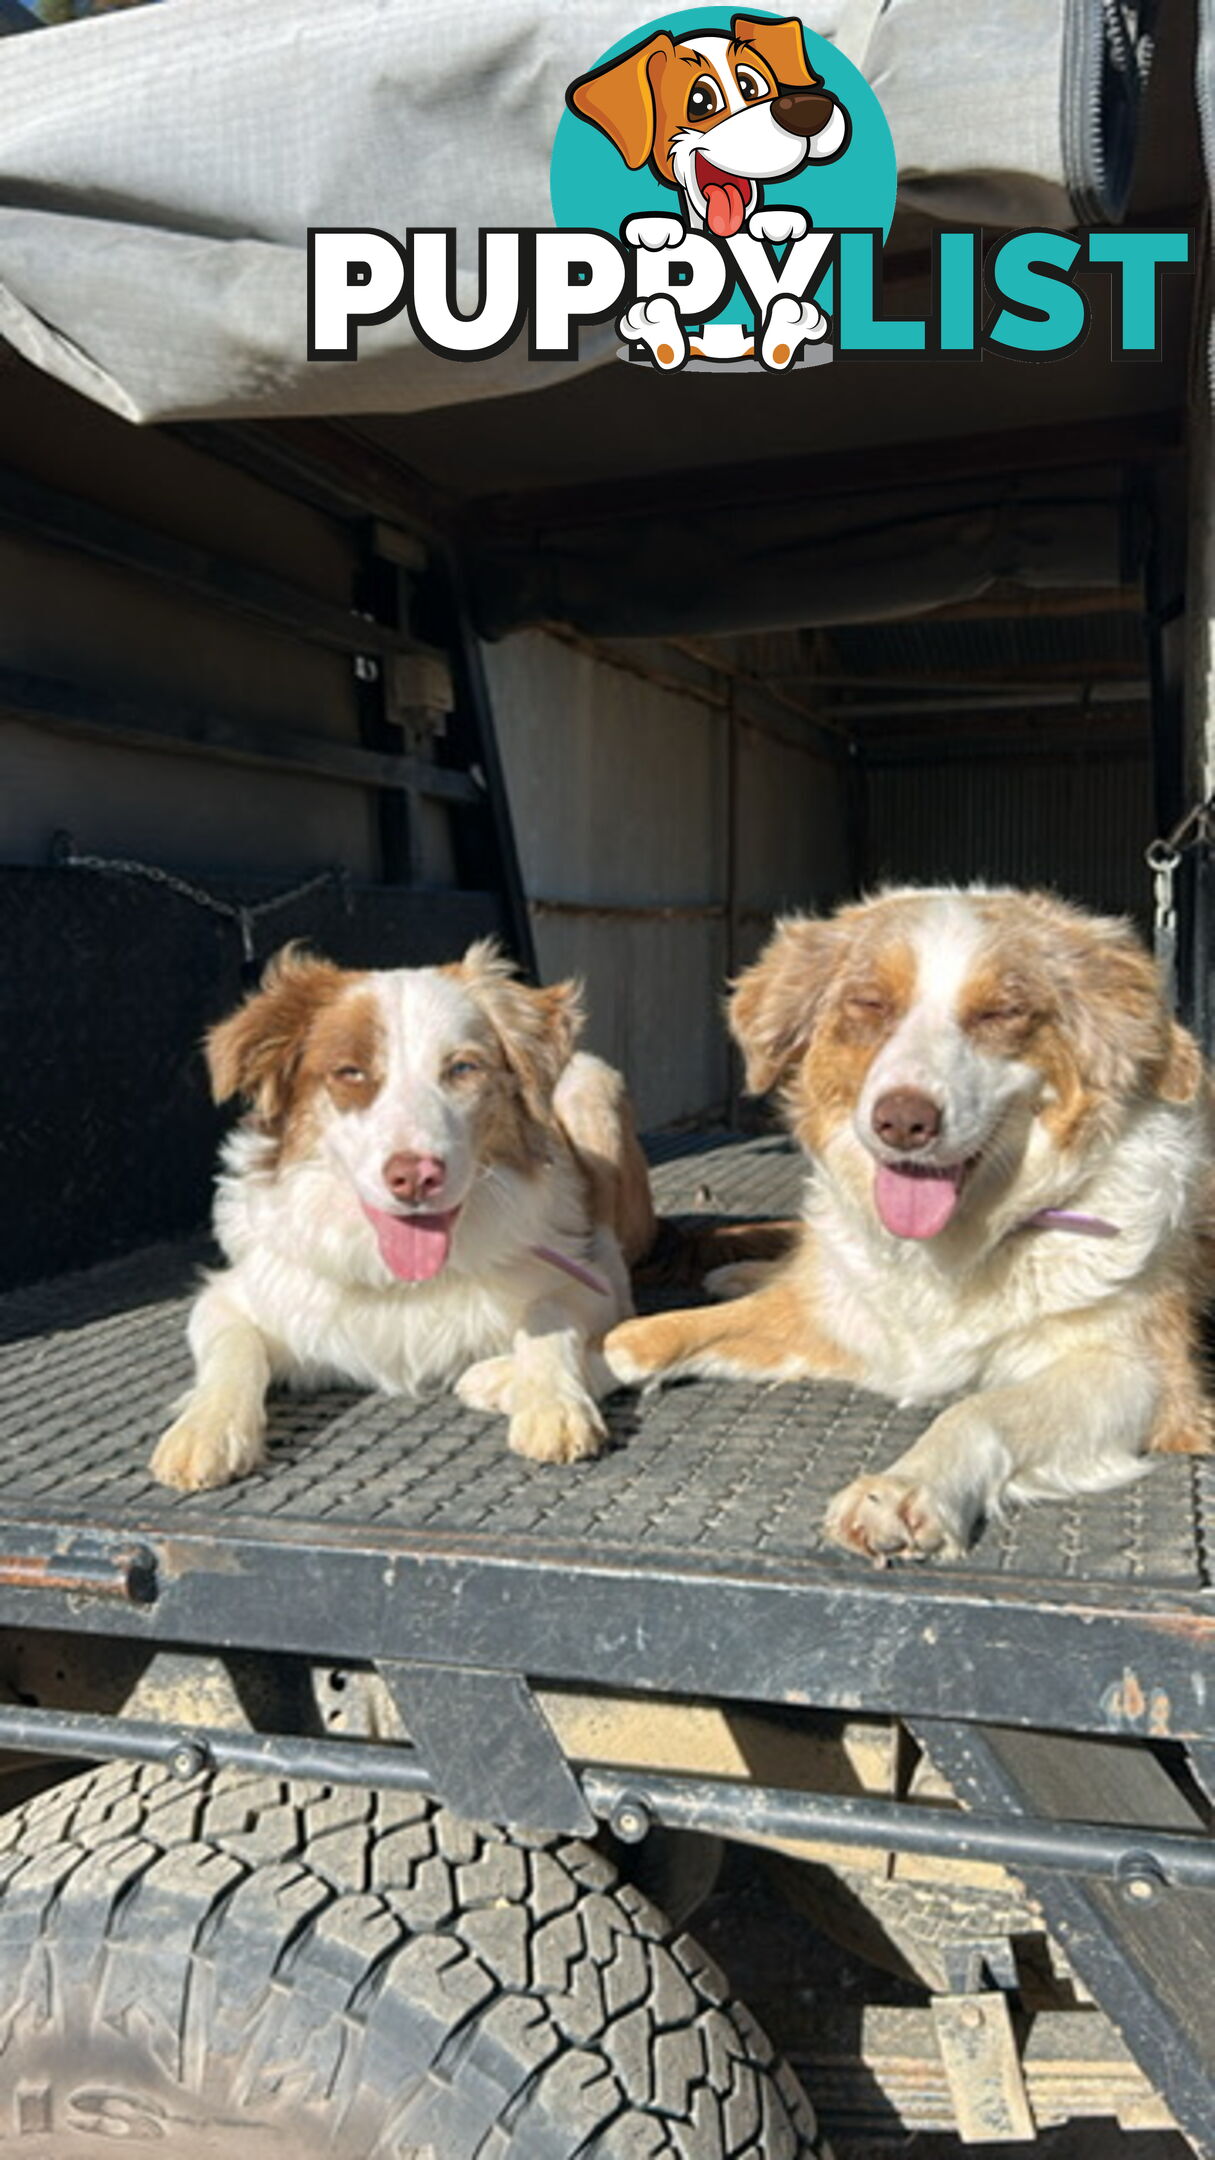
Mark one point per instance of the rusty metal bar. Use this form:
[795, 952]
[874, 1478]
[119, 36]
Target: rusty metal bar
[127, 1573]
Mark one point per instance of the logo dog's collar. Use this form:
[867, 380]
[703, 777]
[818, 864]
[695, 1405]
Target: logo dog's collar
[1061, 1218]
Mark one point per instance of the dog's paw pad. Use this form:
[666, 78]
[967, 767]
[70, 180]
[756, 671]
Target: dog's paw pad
[655, 324]
[486, 1386]
[201, 1452]
[890, 1518]
[558, 1432]
[790, 325]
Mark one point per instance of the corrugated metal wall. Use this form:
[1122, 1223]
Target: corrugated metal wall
[1077, 824]
[79, 619]
[618, 763]
[668, 800]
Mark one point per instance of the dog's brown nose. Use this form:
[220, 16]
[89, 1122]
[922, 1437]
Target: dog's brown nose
[905, 1119]
[413, 1178]
[802, 112]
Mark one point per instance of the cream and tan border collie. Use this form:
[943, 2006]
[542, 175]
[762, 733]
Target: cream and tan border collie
[428, 1180]
[1010, 1201]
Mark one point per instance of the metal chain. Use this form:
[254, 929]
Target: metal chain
[244, 913]
[1163, 859]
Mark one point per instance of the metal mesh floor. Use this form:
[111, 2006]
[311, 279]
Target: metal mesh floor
[90, 1364]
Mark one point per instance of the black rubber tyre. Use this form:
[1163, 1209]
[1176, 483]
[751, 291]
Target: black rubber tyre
[252, 1967]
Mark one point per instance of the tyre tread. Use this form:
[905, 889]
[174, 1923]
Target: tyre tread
[371, 1957]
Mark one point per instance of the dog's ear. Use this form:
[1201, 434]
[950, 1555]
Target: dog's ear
[256, 1051]
[782, 46]
[537, 1029]
[620, 99]
[1125, 1041]
[775, 1003]
[1183, 1073]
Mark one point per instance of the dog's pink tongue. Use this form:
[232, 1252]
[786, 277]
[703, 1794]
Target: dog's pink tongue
[724, 207]
[414, 1247]
[916, 1203]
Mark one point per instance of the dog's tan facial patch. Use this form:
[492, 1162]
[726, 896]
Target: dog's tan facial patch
[507, 1131]
[345, 1052]
[1106, 1018]
[466, 1069]
[1000, 1008]
[534, 1031]
[866, 1004]
[258, 1050]
[479, 1076]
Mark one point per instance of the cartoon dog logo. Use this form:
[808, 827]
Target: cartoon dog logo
[716, 117]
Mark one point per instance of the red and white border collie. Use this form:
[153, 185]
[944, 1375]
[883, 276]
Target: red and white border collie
[1010, 1203]
[430, 1189]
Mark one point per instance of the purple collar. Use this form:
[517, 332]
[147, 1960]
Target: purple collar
[583, 1275]
[1061, 1218]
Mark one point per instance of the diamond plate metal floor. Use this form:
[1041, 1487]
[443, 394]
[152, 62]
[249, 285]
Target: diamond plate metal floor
[89, 1366]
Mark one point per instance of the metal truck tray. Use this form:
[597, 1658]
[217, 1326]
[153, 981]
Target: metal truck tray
[688, 1557]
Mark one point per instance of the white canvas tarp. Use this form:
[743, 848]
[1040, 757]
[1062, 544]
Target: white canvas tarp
[159, 170]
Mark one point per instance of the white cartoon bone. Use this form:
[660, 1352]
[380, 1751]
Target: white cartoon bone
[653, 232]
[655, 323]
[778, 225]
[791, 323]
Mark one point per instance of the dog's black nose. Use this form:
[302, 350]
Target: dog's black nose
[802, 112]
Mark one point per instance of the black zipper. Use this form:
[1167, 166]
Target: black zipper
[1107, 54]
[1205, 94]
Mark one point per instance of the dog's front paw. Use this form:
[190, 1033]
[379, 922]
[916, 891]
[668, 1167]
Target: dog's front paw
[654, 233]
[627, 1352]
[553, 1430]
[655, 324]
[790, 325]
[778, 225]
[486, 1386]
[892, 1518]
[205, 1448]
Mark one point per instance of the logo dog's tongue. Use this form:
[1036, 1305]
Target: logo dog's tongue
[725, 203]
[916, 1203]
[726, 197]
[413, 1247]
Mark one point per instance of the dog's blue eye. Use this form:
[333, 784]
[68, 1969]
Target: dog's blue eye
[704, 99]
[461, 1068]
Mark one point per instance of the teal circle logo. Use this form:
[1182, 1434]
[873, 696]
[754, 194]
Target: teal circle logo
[590, 184]
[706, 116]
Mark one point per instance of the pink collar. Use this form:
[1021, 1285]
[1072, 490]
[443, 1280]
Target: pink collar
[575, 1268]
[1060, 1218]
